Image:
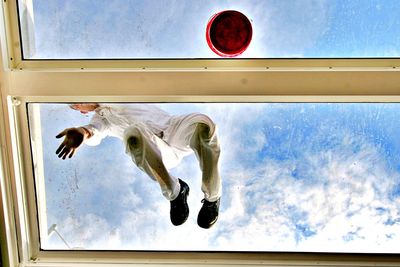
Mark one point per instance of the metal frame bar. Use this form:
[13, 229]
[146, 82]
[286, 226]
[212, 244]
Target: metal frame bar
[9, 244]
[211, 99]
[211, 64]
[24, 193]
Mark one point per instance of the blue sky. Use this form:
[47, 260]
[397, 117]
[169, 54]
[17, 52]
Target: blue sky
[296, 177]
[176, 28]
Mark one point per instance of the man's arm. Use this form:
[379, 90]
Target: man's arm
[73, 139]
[99, 129]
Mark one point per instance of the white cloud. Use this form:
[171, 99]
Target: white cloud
[86, 231]
[285, 28]
[342, 199]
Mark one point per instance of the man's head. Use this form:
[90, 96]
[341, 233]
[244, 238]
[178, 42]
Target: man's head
[84, 107]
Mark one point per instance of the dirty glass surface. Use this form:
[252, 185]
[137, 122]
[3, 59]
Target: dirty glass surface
[131, 29]
[305, 177]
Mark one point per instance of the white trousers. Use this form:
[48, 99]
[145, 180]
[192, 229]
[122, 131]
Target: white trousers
[155, 154]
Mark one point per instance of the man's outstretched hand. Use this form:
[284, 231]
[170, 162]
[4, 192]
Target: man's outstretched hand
[74, 137]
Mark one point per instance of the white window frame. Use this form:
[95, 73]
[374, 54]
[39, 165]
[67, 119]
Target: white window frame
[13, 54]
[264, 80]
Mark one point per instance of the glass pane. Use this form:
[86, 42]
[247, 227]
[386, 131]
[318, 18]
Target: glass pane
[88, 29]
[295, 176]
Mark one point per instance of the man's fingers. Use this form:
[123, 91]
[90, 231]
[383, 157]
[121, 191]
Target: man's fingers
[62, 133]
[61, 154]
[68, 154]
[64, 152]
[60, 148]
[72, 153]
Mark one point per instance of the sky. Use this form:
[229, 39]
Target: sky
[295, 177]
[176, 28]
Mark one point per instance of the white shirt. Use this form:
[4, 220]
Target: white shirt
[114, 119]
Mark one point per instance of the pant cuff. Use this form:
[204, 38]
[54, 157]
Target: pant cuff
[175, 191]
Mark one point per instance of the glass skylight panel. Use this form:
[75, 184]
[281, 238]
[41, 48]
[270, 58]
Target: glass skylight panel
[163, 29]
[303, 177]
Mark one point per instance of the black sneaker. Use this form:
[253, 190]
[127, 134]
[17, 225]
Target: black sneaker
[208, 214]
[179, 208]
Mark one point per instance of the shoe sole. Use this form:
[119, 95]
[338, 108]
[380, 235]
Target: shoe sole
[208, 226]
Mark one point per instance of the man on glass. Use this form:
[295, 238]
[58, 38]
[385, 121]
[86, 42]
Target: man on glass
[156, 142]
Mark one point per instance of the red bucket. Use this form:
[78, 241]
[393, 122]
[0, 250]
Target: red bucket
[229, 33]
